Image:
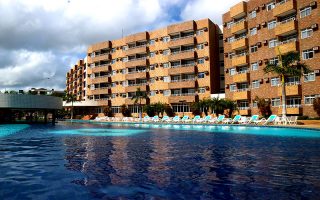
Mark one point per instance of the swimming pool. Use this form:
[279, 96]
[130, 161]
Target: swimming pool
[146, 161]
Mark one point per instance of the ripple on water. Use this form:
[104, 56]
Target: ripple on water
[99, 132]
[8, 129]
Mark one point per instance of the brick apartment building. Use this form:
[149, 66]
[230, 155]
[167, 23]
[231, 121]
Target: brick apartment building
[177, 65]
[253, 31]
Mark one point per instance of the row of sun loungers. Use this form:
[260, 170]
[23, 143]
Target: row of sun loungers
[238, 119]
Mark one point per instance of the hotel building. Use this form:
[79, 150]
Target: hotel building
[176, 65]
[254, 33]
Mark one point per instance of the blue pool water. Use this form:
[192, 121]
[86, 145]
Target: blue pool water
[138, 161]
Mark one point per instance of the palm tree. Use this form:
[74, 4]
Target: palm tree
[289, 65]
[204, 105]
[138, 97]
[70, 97]
[231, 106]
[216, 105]
[160, 108]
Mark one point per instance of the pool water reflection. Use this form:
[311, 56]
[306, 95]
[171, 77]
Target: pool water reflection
[70, 161]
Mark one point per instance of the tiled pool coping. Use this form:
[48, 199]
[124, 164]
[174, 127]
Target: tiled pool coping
[154, 123]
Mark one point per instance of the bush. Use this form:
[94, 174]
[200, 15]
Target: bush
[303, 117]
[150, 110]
[169, 111]
[316, 106]
[195, 108]
[125, 111]
[264, 106]
[108, 112]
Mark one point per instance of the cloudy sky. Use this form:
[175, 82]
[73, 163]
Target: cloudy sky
[41, 39]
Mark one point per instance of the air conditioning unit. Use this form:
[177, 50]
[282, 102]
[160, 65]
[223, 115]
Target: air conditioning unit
[256, 8]
[264, 24]
[262, 6]
[261, 80]
[313, 4]
[258, 26]
[258, 44]
[316, 48]
[266, 80]
[317, 71]
[314, 26]
[206, 58]
[265, 41]
[260, 62]
[227, 86]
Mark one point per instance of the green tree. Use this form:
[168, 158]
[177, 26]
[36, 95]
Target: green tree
[138, 97]
[160, 108]
[216, 105]
[150, 110]
[70, 98]
[125, 111]
[231, 106]
[264, 106]
[289, 65]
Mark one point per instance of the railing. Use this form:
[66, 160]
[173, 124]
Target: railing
[180, 38]
[282, 2]
[178, 52]
[292, 106]
[137, 71]
[238, 22]
[239, 55]
[182, 80]
[142, 58]
[183, 94]
[135, 47]
[184, 65]
[242, 90]
[292, 83]
[138, 84]
[240, 38]
[287, 41]
[287, 20]
[244, 108]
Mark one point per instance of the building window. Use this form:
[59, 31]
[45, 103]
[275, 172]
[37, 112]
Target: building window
[229, 24]
[151, 42]
[113, 61]
[166, 93]
[181, 108]
[253, 31]
[166, 39]
[272, 43]
[274, 61]
[152, 54]
[275, 102]
[254, 104]
[252, 14]
[306, 33]
[308, 100]
[166, 52]
[231, 39]
[165, 65]
[134, 109]
[253, 49]
[113, 50]
[201, 75]
[233, 87]
[166, 79]
[152, 93]
[202, 90]
[309, 77]
[254, 66]
[125, 59]
[307, 54]
[271, 6]
[200, 46]
[294, 102]
[256, 84]
[124, 48]
[114, 72]
[305, 12]
[201, 61]
[272, 24]
[232, 71]
[199, 32]
[275, 81]
[123, 71]
[293, 80]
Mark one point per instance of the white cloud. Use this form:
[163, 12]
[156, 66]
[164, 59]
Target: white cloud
[212, 9]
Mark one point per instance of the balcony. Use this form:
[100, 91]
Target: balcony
[129, 101]
[137, 49]
[239, 60]
[99, 79]
[291, 110]
[159, 85]
[182, 55]
[136, 62]
[183, 83]
[136, 75]
[239, 10]
[185, 26]
[159, 72]
[241, 77]
[241, 94]
[136, 37]
[181, 69]
[293, 89]
[204, 82]
[284, 8]
[97, 91]
[189, 97]
[286, 46]
[181, 41]
[100, 68]
[100, 57]
[239, 44]
[118, 89]
[286, 27]
[133, 88]
[118, 77]
[244, 112]
[118, 101]
[239, 27]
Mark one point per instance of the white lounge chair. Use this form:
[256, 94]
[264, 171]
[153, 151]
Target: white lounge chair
[292, 120]
[219, 119]
[155, 118]
[270, 120]
[185, 119]
[196, 119]
[165, 119]
[176, 119]
[236, 119]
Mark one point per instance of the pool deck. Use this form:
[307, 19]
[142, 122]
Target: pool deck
[303, 124]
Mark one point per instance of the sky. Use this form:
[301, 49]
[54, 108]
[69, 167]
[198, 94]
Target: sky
[40, 40]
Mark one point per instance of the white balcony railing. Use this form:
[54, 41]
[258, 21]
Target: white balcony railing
[180, 38]
[183, 94]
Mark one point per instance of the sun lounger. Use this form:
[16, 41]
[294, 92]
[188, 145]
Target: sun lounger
[236, 119]
[243, 120]
[146, 118]
[185, 119]
[206, 119]
[196, 119]
[176, 119]
[268, 121]
[155, 119]
[219, 119]
[165, 119]
[292, 120]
